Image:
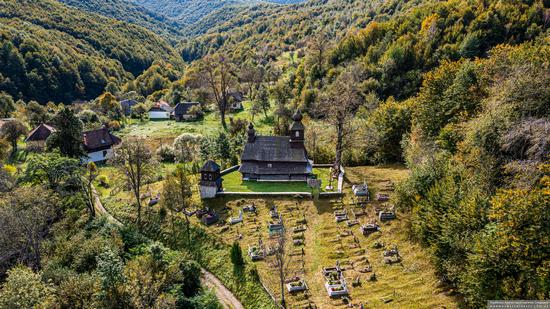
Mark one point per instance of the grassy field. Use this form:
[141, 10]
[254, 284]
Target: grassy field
[409, 284]
[233, 182]
[164, 131]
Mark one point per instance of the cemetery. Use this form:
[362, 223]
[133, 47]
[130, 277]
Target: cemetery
[315, 239]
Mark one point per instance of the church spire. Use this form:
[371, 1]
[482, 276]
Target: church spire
[297, 131]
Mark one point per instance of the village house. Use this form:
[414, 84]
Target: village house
[236, 99]
[126, 106]
[276, 158]
[160, 111]
[182, 111]
[98, 145]
[39, 135]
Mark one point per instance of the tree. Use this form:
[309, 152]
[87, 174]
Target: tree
[223, 147]
[217, 74]
[139, 110]
[339, 107]
[12, 131]
[109, 106]
[68, 135]
[36, 113]
[237, 255]
[255, 110]
[177, 197]
[7, 106]
[186, 147]
[24, 289]
[134, 160]
[25, 216]
[53, 169]
[262, 99]
[282, 261]
[4, 149]
[89, 174]
[111, 277]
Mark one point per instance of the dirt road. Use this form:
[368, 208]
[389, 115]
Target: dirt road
[226, 298]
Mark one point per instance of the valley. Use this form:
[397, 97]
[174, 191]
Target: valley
[274, 153]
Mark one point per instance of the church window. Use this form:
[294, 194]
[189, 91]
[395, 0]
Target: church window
[297, 133]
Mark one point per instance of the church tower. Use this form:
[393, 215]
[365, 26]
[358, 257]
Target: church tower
[297, 131]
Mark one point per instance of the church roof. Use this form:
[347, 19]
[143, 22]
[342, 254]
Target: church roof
[273, 149]
[250, 167]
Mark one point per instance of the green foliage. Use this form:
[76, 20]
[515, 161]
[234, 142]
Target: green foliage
[24, 289]
[131, 13]
[476, 196]
[68, 135]
[54, 170]
[237, 255]
[7, 106]
[12, 131]
[62, 54]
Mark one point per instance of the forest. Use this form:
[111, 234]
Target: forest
[456, 91]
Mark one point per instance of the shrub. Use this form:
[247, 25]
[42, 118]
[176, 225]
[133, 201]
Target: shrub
[166, 154]
[103, 181]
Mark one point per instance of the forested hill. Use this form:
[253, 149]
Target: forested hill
[128, 11]
[198, 16]
[49, 51]
[272, 30]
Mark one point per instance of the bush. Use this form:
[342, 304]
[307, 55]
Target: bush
[114, 125]
[103, 181]
[166, 154]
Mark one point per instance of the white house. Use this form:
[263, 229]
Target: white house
[161, 110]
[98, 145]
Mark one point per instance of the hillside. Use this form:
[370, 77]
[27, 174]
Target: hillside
[272, 30]
[197, 17]
[129, 12]
[53, 52]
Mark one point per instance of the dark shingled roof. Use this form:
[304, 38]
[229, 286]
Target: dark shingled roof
[40, 133]
[210, 166]
[254, 168]
[272, 149]
[184, 107]
[99, 139]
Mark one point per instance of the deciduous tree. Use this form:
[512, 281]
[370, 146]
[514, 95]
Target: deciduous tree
[134, 160]
[339, 107]
[12, 131]
[217, 73]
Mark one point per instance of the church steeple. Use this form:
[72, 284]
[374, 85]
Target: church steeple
[297, 131]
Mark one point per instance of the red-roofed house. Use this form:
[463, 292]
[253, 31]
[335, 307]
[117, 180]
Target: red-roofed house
[40, 134]
[98, 145]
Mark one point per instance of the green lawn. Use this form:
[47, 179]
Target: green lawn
[233, 182]
[210, 123]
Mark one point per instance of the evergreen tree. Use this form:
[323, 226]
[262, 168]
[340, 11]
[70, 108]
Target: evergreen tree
[68, 135]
